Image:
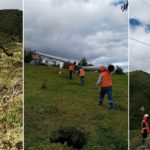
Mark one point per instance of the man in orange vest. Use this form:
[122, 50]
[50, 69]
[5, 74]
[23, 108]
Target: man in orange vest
[71, 69]
[81, 74]
[145, 129]
[105, 82]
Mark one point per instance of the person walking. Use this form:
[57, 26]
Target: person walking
[145, 129]
[81, 74]
[71, 69]
[105, 82]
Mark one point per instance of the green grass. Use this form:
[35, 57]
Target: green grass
[11, 130]
[64, 103]
[11, 22]
[139, 96]
[11, 99]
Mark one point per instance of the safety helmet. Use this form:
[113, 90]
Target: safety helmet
[145, 116]
[102, 69]
[111, 68]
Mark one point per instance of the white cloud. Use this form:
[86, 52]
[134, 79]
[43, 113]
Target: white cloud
[139, 53]
[11, 4]
[138, 9]
[77, 28]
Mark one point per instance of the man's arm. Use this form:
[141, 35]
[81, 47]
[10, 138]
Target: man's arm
[99, 80]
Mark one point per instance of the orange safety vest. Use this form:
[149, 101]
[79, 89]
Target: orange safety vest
[71, 67]
[82, 73]
[106, 79]
[147, 127]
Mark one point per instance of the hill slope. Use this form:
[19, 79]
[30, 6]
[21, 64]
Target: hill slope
[139, 96]
[11, 132]
[10, 23]
[53, 102]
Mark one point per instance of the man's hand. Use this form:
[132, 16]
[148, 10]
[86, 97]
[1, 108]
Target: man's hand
[97, 86]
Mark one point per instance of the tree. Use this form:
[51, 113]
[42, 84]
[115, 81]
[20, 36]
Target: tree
[28, 56]
[66, 65]
[83, 62]
[119, 70]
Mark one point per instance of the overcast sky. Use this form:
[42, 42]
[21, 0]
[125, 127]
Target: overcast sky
[75, 29]
[11, 4]
[140, 30]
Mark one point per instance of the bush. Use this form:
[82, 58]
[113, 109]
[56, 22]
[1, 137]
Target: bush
[74, 137]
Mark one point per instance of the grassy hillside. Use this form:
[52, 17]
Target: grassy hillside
[11, 100]
[11, 132]
[139, 96]
[10, 23]
[54, 106]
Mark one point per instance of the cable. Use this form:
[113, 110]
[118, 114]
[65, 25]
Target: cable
[139, 41]
[146, 3]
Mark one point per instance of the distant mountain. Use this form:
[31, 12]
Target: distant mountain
[139, 96]
[11, 22]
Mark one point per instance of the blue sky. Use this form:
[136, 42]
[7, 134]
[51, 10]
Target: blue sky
[135, 23]
[76, 28]
[119, 2]
[139, 30]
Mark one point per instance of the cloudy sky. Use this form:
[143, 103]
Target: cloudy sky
[11, 4]
[139, 32]
[75, 29]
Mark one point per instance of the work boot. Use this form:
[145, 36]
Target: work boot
[100, 103]
[143, 147]
[111, 109]
[111, 106]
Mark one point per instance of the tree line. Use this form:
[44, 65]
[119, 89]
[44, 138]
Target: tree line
[29, 56]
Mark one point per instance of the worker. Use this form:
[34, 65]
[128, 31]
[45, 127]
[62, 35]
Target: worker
[102, 69]
[105, 82]
[71, 69]
[81, 74]
[75, 68]
[145, 129]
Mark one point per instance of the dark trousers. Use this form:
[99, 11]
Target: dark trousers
[82, 80]
[144, 137]
[108, 91]
[70, 74]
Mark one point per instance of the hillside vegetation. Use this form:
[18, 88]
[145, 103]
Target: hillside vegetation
[139, 96]
[11, 131]
[59, 110]
[10, 24]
